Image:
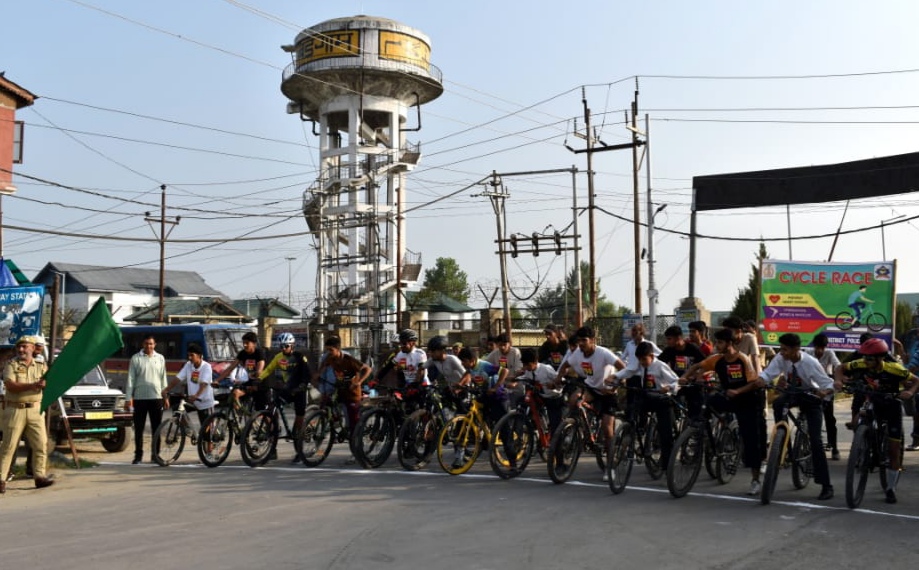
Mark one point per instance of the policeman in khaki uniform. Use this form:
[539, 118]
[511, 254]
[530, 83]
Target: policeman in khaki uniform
[24, 380]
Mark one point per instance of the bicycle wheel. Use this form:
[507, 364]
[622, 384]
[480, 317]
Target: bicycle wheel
[773, 464]
[458, 445]
[418, 439]
[802, 466]
[595, 421]
[728, 453]
[314, 439]
[652, 449]
[216, 440]
[844, 320]
[858, 467]
[373, 438]
[511, 445]
[619, 458]
[876, 322]
[564, 451]
[883, 458]
[168, 442]
[685, 461]
[711, 461]
[258, 438]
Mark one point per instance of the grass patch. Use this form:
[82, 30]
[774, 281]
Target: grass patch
[57, 461]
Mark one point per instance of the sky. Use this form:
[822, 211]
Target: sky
[134, 95]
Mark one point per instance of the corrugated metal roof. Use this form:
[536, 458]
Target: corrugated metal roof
[128, 279]
[276, 308]
[211, 309]
[439, 303]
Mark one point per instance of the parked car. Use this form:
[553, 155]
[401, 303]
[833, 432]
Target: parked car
[94, 410]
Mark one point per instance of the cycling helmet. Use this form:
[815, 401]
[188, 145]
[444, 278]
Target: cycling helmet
[286, 338]
[407, 335]
[437, 343]
[873, 347]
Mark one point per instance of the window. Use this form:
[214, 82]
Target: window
[18, 132]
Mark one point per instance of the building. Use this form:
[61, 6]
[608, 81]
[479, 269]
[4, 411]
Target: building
[127, 290]
[12, 97]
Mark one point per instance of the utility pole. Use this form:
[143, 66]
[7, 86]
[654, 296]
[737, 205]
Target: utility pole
[590, 150]
[636, 225]
[498, 194]
[162, 237]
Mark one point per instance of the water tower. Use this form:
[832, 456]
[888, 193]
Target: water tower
[355, 79]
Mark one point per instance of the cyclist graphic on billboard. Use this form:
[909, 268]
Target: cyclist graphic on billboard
[857, 302]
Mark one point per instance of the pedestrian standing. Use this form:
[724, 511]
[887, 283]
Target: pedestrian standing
[145, 390]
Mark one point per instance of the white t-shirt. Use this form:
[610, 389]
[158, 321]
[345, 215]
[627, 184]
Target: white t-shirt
[655, 376]
[544, 374]
[193, 377]
[411, 365]
[600, 365]
[628, 355]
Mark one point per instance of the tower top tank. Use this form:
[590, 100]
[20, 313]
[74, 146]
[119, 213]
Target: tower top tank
[364, 55]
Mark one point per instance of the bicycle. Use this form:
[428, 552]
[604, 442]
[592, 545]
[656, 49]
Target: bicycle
[580, 432]
[463, 436]
[221, 430]
[322, 427]
[519, 433]
[375, 434]
[876, 322]
[785, 449]
[870, 446]
[418, 435]
[262, 431]
[169, 438]
[634, 442]
[712, 437]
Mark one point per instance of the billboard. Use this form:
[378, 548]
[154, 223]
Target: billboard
[841, 300]
[20, 312]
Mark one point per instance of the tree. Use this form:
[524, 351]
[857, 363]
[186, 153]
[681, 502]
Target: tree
[746, 304]
[550, 303]
[446, 277]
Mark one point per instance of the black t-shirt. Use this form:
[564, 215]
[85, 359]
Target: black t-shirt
[551, 353]
[250, 360]
[680, 359]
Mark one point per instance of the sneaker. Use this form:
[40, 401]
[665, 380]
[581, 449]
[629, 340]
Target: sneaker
[826, 493]
[835, 454]
[350, 460]
[850, 425]
[762, 469]
[914, 446]
[755, 488]
[605, 477]
[297, 459]
[891, 497]
[457, 464]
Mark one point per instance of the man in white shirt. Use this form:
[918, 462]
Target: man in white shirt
[198, 378]
[637, 332]
[797, 369]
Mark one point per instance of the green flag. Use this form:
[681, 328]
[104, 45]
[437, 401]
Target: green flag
[97, 338]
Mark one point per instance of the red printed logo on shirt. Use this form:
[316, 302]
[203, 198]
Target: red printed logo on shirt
[250, 365]
[735, 371]
[649, 381]
[682, 363]
[194, 376]
[400, 364]
[588, 368]
[283, 363]
[502, 362]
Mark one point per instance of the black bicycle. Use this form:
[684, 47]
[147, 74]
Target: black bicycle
[637, 440]
[376, 432]
[222, 429]
[870, 445]
[262, 432]
[417, 440]
[582, 431]
[787, 449]
[714, 435]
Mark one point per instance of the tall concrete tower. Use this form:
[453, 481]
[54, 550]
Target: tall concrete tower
[355, 79]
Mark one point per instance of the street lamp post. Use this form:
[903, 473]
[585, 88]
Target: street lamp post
[289, 293]
[883, 243]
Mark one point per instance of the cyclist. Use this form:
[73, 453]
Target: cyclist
[679, 356]
[544, 375]
[885, 376]
[553, 349]
[596, 365]
[342, 366]
[197, 374]
[491, 377]
[443, 366]
[739, 382]
[829, 361]
[504, 355]
[250, 359]
[801, 370]
[857, 302]
[291, 369]
[698, 335]
[658, 380]
[409, 361]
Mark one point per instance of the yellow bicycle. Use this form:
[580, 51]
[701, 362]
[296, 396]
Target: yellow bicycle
[461, 439]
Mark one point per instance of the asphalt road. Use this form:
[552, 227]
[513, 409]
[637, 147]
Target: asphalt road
[119, 515]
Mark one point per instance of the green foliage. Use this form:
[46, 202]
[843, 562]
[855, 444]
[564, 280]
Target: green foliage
[746, 303]
[549, 305]
[446, 277]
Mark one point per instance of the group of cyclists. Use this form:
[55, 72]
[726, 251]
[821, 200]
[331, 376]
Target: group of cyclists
[644, 381]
